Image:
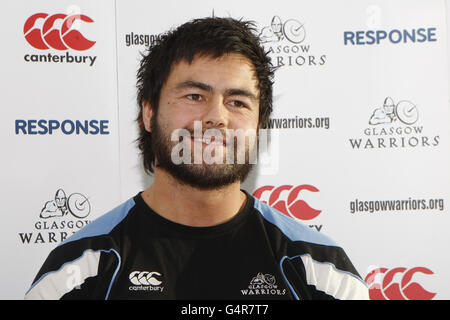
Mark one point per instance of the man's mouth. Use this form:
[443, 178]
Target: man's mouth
[211, 140]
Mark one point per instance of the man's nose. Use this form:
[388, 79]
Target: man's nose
[215, 115]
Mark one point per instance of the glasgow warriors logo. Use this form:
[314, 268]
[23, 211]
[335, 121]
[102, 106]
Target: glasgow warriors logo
[284, 40]
[60, 217]
[394, 125]
[291, 30]
[404, 111]
[76, 204]
[263, 284]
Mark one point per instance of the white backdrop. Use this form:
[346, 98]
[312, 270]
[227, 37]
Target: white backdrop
[360, 129]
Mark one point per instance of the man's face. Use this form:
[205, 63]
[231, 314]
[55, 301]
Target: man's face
[218, 93]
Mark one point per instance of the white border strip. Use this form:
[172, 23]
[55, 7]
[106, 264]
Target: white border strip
[54, 285]
[339, 284]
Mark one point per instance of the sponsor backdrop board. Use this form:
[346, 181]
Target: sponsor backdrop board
[359, 137]
[59, 123]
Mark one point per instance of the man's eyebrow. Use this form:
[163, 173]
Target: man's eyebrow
[194, 84]
[241, 92]
[206, 87]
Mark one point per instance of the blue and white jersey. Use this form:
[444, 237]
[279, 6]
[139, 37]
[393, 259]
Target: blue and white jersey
[132, 252]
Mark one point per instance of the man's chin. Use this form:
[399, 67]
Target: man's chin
[207, 176]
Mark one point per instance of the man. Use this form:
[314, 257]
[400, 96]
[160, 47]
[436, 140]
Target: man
[194, 234]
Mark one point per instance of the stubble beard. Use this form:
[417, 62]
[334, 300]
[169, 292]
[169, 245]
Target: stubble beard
[202, 176]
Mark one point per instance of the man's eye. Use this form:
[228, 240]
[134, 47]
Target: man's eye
[237, 103]
[194, 97]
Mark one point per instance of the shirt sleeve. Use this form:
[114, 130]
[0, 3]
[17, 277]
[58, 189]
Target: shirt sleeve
[73, 273]
[320, 279]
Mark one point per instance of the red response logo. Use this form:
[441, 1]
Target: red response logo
[291, 206]
[56, 31]
[383, 287]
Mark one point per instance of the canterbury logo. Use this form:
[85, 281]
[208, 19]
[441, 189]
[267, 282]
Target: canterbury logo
[56, 31]
[382, 286]
[291, 205]
[145, 278]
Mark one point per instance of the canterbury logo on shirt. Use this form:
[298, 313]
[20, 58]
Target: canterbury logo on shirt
[146, 281]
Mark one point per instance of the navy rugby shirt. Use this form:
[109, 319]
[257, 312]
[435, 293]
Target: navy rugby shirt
[133, 253]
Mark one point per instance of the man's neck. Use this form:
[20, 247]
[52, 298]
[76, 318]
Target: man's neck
[192, 206]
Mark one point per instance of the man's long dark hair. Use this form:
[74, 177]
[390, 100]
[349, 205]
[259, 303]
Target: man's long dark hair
[213, 37]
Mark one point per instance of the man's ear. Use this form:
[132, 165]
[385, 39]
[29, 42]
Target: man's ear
[147, 114]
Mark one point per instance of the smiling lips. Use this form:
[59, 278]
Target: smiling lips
[207, 140]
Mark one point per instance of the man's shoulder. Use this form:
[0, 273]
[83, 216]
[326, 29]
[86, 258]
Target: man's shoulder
[326, 267]
[104, 224]
[82, 252]
[291, 228]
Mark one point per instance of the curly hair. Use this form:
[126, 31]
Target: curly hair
[213, 37]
